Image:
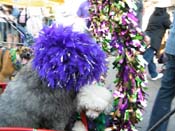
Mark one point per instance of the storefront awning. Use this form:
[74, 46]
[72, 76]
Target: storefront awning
[31, 3]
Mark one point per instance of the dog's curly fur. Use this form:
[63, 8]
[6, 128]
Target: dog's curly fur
[28, 102]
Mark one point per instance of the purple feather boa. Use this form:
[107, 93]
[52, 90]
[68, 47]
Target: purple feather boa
[68, 59]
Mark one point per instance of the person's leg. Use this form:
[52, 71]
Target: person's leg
[164, 97]
[9, 35]
[1, 31]
[149, 56]
[9, 40]
[15, 38]
[152, 69]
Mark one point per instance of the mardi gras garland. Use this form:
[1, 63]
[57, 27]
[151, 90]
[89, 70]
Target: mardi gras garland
[115, 26]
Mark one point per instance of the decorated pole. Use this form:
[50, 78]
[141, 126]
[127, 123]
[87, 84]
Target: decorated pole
[115, 26]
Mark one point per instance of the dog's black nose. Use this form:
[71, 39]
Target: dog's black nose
[27, 56]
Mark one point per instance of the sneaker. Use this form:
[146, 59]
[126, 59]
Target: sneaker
[160, 75]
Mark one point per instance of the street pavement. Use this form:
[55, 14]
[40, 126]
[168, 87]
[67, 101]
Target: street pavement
[153, 87]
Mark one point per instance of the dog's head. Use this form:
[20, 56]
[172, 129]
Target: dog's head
[24, 53]
[94, 100]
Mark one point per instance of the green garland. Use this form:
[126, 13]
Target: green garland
[17, 64]
[114, 25]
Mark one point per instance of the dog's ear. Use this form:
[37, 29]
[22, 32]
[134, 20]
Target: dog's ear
[19, 45]
[17, 50]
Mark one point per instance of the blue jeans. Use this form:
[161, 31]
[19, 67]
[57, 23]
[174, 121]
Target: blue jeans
[149, 57]
[165, 95]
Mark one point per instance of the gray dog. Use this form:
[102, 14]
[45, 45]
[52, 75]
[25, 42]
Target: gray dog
[43, 94]
[28, 102]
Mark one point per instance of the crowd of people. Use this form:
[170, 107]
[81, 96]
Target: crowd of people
[159, 22]
[15, 22]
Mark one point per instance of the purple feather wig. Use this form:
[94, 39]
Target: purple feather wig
[68, 59]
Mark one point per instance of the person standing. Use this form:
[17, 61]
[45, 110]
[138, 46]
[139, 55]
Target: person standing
[139, 12]
[83, 12]
[158, 23]
[10, 32]
[166, 92]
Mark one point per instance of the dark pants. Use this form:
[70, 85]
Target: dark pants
[3, 34]
[165, 95]
[149, 57]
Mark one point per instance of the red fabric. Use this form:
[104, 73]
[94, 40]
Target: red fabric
[84, 120]
[3, 86]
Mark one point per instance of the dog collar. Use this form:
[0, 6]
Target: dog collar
[84, 120]
[17, 64]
